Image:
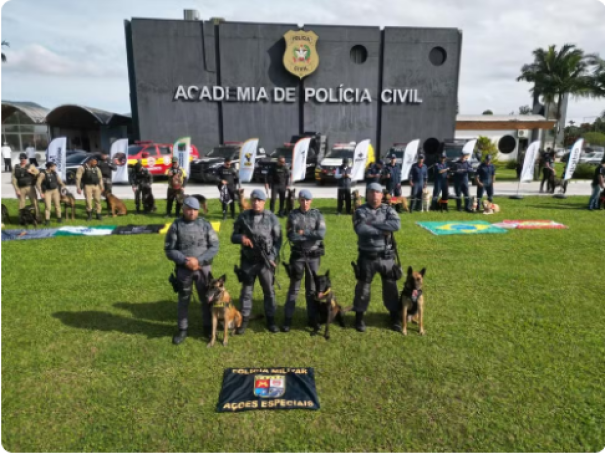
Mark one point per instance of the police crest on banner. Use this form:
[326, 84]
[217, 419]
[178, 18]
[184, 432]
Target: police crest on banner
[119, 155]
[182, 151]
[247, 159]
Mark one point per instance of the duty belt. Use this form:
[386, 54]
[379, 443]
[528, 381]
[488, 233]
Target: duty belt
[377, 254]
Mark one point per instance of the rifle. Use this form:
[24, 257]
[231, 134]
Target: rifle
[258, 244]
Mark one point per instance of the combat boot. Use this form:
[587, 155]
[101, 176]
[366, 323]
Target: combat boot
[207, 331]
[359, 323]
[89, 216]
[271, 325]
[99, 217]
[244, 325]
[396, 319]
[287, 323]
[179, 337]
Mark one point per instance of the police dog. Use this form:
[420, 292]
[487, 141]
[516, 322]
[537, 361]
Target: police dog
[5, 217]
[147, 199]
[426, 199]
[27, 216]
[411, 300]
[490, 208]
[221, 308]
[243, 203]
[356, 200]
[69, 201]
[116, 206]
[290, 198]
[442, 205]
[553, 183]
[202, 200]
[327, 308]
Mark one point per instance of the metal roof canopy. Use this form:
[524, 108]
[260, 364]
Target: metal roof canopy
[34, 111]
[76, 116]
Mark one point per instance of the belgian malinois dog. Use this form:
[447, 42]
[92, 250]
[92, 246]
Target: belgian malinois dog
[290, 198]
[356, 200]
[327, 308]
[116, 206]
[243, 203]
[27, 216]
[221, 308]
[69, 201]
[412, 300]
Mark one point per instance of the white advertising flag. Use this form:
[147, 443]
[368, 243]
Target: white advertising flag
[247, 160]
[182, 149]
[360, 158]
[299, 160]
[469, 147]
[56, 152]
[119, 156]
[409, 158]
[574, 157]
[527, 174]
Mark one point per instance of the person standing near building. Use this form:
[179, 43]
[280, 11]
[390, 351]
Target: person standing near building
[24, 177]
[139, 178]
[259, 233]
[548, 169]
[31, 154]
[461, 175]
[344, 174]
[392, 176]
[106, 167]
[229, 178]
[306, 229]
[279, 179]
[89, 176]
[485, 179]
[598, 184]
[7, 156]
[48, 184]
[374, 173]
[191, 243]
[419, 176]
[177, 179]
[441, 183]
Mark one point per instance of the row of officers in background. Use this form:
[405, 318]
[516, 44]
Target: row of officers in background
[192, 244]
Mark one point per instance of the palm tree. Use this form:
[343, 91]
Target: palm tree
[598, 79]
[4, 43]
[524, 110]
[556, 73]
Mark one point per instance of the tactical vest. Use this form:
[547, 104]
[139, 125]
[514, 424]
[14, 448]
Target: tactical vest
[50, 181]
[345, 183]
[175, 178]
[105, 169]
[90, 176]
[192, 237]
[24, 178]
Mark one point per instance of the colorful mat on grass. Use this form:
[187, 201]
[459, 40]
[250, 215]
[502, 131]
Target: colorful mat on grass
[529, 225]
[460, 227]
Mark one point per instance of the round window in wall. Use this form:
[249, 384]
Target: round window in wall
[507, 144]
[437, 56]
[359, 54]
[431, 145]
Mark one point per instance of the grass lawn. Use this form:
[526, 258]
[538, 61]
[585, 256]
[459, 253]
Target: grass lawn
[513, 359]
[504, 174]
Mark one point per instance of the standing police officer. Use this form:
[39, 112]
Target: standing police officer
[24, 176]
[374, 224]
[463, 169]
[191, 243]
[343, 175]
[107, 167]
[486, 176]
[48, 184]
[392, 176]
[90, 177]
[306, 228]
[259, 232]
[441, 184]
[279, 178]
[139, 178]
[374, 173]
[177, 179]
[228, 176]
[419, 176]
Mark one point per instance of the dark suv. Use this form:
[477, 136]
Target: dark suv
[205, 168]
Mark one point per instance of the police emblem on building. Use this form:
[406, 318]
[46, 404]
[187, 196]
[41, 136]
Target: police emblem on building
[269, 386]
[300, 57]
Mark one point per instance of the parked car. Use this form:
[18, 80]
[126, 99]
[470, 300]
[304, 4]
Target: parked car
[204, 169]
[156, 157]
[326, 170]
[266, 163]
[592, 157]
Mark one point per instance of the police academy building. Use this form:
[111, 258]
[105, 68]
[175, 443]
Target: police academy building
[220, 81]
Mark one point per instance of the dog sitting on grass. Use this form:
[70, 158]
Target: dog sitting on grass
[411, 301]
[116, 206]
[290, 198]
[327, 308]
[69, 201]
[222, 309]
[27, 216]
[356, 200]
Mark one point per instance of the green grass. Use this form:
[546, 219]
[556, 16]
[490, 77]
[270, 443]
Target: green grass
[513, 359]
[504, 174]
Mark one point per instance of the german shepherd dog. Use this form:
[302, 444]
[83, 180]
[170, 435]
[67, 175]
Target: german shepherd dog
[553, 183]
[412, 301]
[5, 217]
[221, 308]
[290, 198]
[356, 200]
[116, 206]
[147, 199]
[27, 216]
[69, 201]
[243, 203]
[202, 200]
[327, 308]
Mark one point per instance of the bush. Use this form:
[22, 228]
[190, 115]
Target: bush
[485, 146]
[584, 171]
[594, 138]
[511, 164]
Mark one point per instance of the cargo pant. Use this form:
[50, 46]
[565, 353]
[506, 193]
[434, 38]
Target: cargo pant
[108, 187]
[489, 190]
[171, 195]
[461, 188]
[278, 190]
[187, 279]
[52, 196]
[344, 196]
[297, 270]
[252, 269]
[93, 191]
[369, 265]
[24, 193]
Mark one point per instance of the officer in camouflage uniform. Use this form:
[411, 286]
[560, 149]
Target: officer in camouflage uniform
[258, 256]
[139, 178]
[107, 167]
[374, 224]
[177, 179]
[343, 175]
[89, 176]
[306, 228]
[228, 176]
[191, 243]
[279, 179]
[24, 177]
[48, 184]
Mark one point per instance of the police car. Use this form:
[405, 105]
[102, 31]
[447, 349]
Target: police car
[205, 168]
[326, 170]
[156, 157]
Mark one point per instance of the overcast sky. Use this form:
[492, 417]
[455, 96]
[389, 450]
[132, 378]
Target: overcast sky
[73, 51]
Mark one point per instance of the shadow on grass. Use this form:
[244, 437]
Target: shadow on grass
[573, 206]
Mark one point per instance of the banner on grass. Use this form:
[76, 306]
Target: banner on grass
[272, 388]
[360, 158]
[119, 156]
[409, 158]
[56, 152]
[182, 149]
[527, 174]
[247, 160]
[299, 160]
[460, 227]
[574, 157]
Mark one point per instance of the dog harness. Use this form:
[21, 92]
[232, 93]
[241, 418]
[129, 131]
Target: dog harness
[218, 302]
